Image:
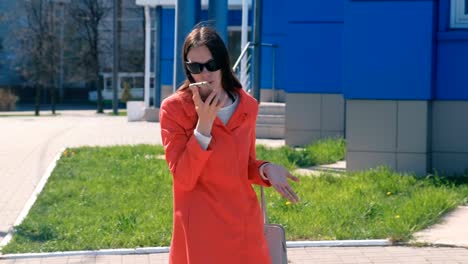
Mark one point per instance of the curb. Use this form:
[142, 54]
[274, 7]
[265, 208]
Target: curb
[155, 250]
[340, 243]
[121, 251]
[32, 199]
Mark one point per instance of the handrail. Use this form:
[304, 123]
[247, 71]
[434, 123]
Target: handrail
[244, 51]
[273, 73]
[246, 48]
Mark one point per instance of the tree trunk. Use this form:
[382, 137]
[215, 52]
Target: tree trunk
[100, 108]
[38, 100]
[52, 99]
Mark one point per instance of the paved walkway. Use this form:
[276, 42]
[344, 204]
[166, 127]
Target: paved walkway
[29, 144]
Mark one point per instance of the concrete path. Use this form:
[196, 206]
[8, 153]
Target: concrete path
[29, 144]
[452, 230]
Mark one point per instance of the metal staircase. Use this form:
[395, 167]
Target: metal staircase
[271, 115]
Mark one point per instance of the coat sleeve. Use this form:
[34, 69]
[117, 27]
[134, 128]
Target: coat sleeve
[184, 155]
[254, 164]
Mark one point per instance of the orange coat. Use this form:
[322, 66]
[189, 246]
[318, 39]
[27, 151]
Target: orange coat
[217, 217]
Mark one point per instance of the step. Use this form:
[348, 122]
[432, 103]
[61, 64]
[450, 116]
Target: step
[272, 131]
[267, 108]
[271, 119]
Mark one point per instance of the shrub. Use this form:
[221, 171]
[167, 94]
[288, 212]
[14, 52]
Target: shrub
[126, 95]
[7, 100]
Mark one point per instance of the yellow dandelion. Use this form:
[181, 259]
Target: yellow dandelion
[397, 216]
[389, 193]
[288, 203]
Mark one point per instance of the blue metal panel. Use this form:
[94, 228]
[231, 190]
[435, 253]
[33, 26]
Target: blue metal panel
[274, 17]
[452, 70]
[444, 15]
[314, 58]
[167, 70]
[315, 10]
[168, 26]
[388, 50]
[452, 59]
[280, 62]
[167, 46]
[235, 17]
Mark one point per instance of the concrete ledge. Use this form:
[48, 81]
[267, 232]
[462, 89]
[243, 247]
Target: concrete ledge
[273, 131]
[151, 114]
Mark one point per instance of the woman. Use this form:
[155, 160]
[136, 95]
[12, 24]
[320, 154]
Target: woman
[208, 133]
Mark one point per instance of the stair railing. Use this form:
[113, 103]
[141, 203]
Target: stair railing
[243, 67]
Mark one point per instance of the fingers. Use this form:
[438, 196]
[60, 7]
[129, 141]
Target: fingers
[211, 97]
[278, 177]
[287, 192]
[196, 95]
[292, 177]
[291, 195]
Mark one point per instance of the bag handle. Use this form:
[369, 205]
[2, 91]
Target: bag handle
[264, 209]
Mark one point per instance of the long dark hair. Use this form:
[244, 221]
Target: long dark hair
[206, 35]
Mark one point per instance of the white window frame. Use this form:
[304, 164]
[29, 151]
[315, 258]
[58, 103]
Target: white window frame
[458, 18]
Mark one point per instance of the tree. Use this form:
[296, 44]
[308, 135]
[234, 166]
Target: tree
[1, 53]
[35, 47]
[88, 16]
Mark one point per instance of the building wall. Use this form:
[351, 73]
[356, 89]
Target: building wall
[400, 72]
[388, 50]
[388, 82]
[449, 121]
[311, 33]
[405, 87]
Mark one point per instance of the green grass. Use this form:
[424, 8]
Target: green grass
[121, 197]
[101, 198]
[324, 151]
[366, 205]
[120, 113]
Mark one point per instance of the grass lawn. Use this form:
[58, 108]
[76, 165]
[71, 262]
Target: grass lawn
[119, 113]
[121, 197]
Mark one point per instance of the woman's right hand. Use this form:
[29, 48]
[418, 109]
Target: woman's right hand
[208, 109]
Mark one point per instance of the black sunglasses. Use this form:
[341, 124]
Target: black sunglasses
[196, 67]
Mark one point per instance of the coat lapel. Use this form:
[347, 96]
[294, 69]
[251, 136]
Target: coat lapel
[241, 113]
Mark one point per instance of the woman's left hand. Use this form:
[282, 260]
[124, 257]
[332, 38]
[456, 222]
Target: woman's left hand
[278, 177]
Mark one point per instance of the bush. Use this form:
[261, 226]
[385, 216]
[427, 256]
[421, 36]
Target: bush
[126, 95]
[7, 100]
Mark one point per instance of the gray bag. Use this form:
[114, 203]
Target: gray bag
[275, 237]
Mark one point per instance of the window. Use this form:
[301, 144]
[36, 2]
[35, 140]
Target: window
[459, 14]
